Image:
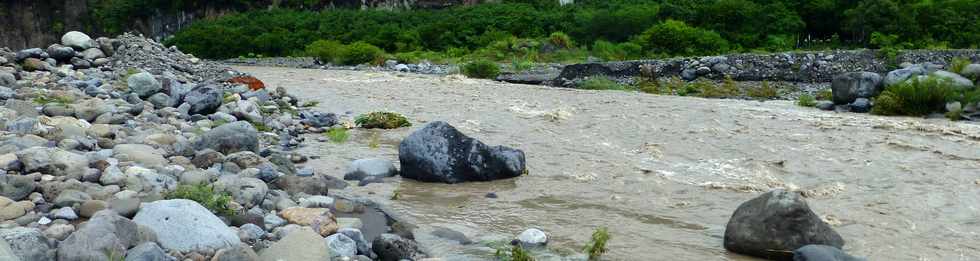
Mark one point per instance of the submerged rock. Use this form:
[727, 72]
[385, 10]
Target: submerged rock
[440, 153]
[822, 253]
[391, 247]
[776, 223]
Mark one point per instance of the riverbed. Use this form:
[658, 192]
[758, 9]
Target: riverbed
[663, 173]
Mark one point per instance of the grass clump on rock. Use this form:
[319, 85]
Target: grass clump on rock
[481, 69]
[915, 97]
[382, 120]
[597, 246]
[205, 195]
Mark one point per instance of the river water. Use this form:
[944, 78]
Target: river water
[663, 173]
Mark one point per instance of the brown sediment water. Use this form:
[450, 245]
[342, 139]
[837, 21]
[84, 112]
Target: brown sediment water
[663, 173]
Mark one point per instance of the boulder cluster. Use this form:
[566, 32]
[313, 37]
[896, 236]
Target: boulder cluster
[854, 91]
[98, 135]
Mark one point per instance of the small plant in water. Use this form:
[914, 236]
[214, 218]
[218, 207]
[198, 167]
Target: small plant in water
[597, 246]
[337, 135]
[806, 100]
[517, 253]
[375, 141]
[395, 195]
[382, 120]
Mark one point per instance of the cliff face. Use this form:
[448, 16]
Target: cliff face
[38, 23]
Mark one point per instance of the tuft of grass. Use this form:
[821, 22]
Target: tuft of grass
[806, 100]
[597, 246]
[958, 64]
[522, 64]
[382, 120]
[396, 195]
[825, 95]
[764, 91]
[60, 100]
[337, 135]
[375, 141]
[517, 253]
[561, 39]
[602, 83]
[955, 115]
[481, 69]
[205, 195]
[259, 126]
[916, 97]
[707, 89]
[310, 104]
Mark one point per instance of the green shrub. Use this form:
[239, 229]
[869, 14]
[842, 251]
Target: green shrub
[806, 100]
[326, 50]
[764, 91]
[360, 53]
[916, 97]
[561, 39]
[958, 64]
[382, 120]
[481, 69]
[205, 195]
[616, 52]
[597, 246]
[708, 89]
[337, 134]
[677, 38]
[601, 83]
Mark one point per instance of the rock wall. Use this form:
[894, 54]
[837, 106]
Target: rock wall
[809, 67]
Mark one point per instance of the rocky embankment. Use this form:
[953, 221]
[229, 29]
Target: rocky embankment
[806, 67]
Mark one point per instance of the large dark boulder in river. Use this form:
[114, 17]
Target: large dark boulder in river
[440, 153]
[848, 87]
[775, 224]
[822, 253]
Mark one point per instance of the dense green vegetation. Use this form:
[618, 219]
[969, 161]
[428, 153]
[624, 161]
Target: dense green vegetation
[382, 120]
[919, 97]
[608, 29]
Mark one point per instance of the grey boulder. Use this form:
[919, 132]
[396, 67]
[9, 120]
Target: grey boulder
[371, 167]
[203, 99]
[340, 245]
[440, 153]
[230, 138]
[861, 105]
[78, 40]
[185, 225]
[27, 243]
[391, 247]
[60, 52]
[105, 234]
[958, 82]
[143, 84]
[849, 86]
[776, 223]
[901, 75]
[148, 251]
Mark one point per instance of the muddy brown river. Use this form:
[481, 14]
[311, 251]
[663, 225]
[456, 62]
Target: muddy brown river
[663, 173]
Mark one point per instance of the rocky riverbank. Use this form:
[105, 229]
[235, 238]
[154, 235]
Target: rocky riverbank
[117, 148]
